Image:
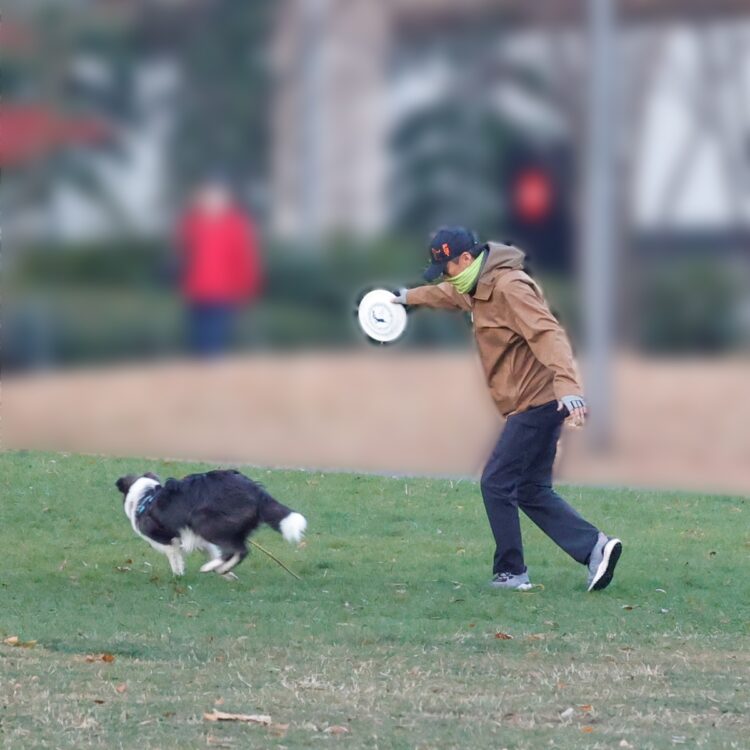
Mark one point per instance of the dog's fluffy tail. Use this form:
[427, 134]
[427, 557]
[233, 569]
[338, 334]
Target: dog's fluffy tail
[290, 524]
[293, 527]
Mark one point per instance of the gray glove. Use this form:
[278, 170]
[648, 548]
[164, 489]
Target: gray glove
[399, 296]
[571, 403]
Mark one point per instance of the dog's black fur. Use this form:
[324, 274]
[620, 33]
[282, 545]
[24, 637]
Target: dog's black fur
[220, 508]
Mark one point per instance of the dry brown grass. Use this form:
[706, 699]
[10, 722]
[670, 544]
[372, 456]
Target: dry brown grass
[677, 424]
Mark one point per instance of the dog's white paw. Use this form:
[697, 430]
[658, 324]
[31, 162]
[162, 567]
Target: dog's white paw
[211, 565]
[178, 566]
[225, 567]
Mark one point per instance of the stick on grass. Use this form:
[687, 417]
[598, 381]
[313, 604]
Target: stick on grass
[275, 559]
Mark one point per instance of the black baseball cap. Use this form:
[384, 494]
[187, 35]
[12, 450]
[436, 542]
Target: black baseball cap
[447, 244]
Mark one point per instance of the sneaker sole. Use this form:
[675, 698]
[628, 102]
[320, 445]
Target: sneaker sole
[516, 587]
[606, 570]
[519, 587]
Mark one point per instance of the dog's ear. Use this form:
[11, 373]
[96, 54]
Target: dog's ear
[125, 483]
[153, 476]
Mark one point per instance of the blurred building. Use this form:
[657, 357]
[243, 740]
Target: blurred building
[349, 74]
[330, 121]
[381, 107]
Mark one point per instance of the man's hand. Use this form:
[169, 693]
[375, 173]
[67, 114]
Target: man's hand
[576, 408]
[399, 296]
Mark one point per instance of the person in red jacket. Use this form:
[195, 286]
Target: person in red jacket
[221, 269]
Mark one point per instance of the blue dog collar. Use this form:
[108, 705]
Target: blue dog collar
[145, 502]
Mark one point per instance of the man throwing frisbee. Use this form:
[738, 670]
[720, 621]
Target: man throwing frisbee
[529, 367]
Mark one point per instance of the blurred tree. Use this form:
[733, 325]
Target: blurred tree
[222, 111]
[446, 168]
[452, 153]
[688, 305]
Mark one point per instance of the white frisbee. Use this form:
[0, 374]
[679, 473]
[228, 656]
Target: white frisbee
[379, 318]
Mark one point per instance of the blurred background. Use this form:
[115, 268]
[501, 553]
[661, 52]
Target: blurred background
[196, 192]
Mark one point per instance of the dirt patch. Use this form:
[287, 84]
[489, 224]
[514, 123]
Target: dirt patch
[677, 424]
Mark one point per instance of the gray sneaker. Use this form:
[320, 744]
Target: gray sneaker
[602, 562]
[509, 581]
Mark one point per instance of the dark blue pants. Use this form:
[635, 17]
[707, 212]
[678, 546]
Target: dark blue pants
[211, 328]
[519, 475]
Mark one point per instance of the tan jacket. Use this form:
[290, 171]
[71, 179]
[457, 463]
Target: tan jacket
[525, 354]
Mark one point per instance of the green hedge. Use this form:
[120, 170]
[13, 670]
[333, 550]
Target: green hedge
[691, 305]
[115, 301]
[89, 304]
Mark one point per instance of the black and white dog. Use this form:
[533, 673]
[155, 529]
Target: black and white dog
[214, 512]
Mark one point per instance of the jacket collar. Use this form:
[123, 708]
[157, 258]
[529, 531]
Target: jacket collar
[501, 258]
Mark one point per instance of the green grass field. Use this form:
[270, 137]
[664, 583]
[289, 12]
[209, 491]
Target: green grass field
[392, 634]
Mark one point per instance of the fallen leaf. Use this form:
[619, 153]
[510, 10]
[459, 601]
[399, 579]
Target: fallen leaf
[587, 730]
[587, 708]
[503, 636]
[278, 730]
[91, 658]
[99, 701]
[628, 607]
[336, 730]
[261, 719]
[11, 640]
[121, 688]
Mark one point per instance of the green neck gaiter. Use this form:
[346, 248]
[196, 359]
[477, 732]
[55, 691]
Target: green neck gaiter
[467, 279]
